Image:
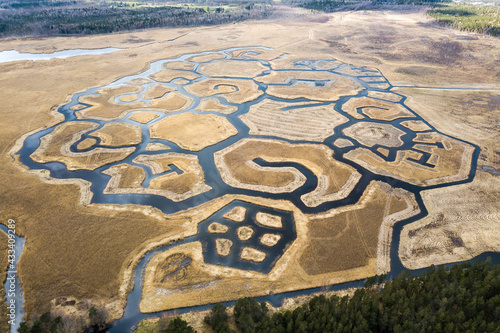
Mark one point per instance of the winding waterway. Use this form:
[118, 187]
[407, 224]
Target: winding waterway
[99, 180]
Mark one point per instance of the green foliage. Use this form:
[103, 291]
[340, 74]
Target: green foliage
[177, 325]
[217, 319]
[44, 324]
[465, 298]
[469, 17]
[325, 5]
[249, 314]
[41, 18]
[336, 5]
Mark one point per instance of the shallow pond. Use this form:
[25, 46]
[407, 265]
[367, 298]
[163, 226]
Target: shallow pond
[13, 55]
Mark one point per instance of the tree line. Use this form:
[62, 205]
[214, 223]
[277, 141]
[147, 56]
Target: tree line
[468, 17]
[330, 6]
[463, 298]
[84, 19]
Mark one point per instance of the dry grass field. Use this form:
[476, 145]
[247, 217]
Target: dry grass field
[311, 123]
[348, 239]
[235, 163]
[119, 134]
[89, 251]
[193, 131]
[55, 147]
[233, 90]
[332, 247]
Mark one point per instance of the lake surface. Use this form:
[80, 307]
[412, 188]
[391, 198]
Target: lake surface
[13, 55]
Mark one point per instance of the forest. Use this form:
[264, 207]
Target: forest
[55, 18]
[468, 17]
[79, 17]
[330, 6]
[463, 298]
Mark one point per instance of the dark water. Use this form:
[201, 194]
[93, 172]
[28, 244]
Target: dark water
[213, 179]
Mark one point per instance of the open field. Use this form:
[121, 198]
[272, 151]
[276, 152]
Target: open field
[462, 223]
[375, 108]
[193, 131]
[233, 68]
[469, 17]
[128, 179]
[311, 123]
[55, 147]
[235, 163]
[315, 259]
[475, 114]
[90, 251]
[119, 134]
[334, 87]
[233, 90]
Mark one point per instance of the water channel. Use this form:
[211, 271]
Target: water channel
[99, 180]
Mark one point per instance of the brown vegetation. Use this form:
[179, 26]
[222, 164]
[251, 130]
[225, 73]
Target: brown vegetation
[233, 90]
[462, 223]
[213, 104]
[375, 109]
[349, 238]
[217, 228]
[232, 68]
[156, 91]
[238, 169]
[416, 125]
[269, 220]
[206, 57]
[177, 187]
[370, 134]
[143, 117]
[170, 74]
[104, 106]
[172, 102]
[313, 123]
[473, 115]
[237, 214]
[4, 325]
[252, 254]
[453, 163]
[180, 65]
[54, 147]
[193, 131]
[109, 239]
[335, 86]
[118, 134]
[86, 144]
